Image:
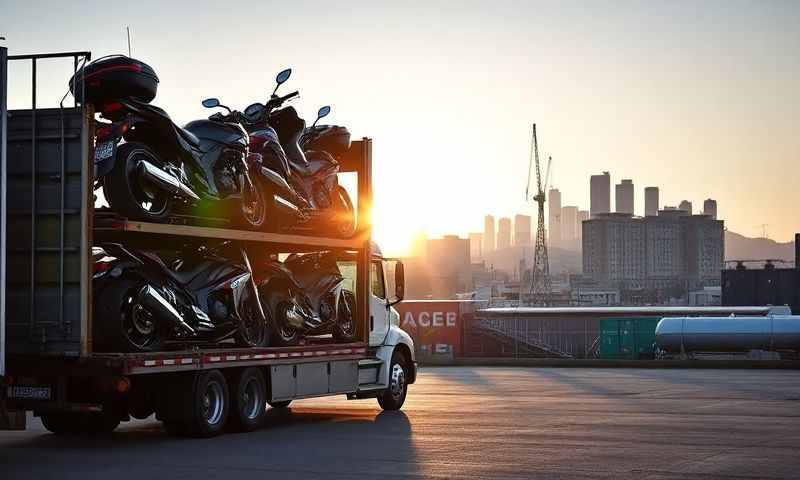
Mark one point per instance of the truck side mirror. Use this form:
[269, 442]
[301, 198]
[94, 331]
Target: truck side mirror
[399, 283]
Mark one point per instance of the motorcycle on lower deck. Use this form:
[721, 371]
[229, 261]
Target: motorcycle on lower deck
[306, 295]
[143, 304]
[302, 182]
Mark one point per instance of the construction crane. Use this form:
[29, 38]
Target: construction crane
[541, 286]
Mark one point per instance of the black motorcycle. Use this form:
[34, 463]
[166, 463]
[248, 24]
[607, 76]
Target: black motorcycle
[162, 169]
[299, 170]
[306, 295]
[142, 303]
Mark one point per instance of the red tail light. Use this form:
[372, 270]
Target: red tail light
[110, 108]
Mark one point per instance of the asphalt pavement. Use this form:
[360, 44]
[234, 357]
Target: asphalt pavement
[463, 422]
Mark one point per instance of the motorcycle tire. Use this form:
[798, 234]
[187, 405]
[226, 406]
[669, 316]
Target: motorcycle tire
[125, 192]
[345, 328]
[253, 210]
[343, 214]
[283, 335]
[120, 323]
[252, 331]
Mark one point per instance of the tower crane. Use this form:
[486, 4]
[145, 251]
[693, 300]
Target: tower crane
[541, 286]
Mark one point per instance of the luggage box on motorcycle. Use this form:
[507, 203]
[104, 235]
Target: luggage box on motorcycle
[334, 140]
[114, 77]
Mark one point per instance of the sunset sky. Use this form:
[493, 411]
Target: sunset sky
[698, 98]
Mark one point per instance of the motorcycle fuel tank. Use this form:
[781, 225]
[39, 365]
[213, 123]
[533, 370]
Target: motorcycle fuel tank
[232, 135]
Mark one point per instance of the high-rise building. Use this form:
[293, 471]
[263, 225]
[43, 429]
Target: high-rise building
[583, 215]
[710, 208]
[599, 194]
[522, 230]
[503, 233]
[554, 227]
[569, 227]
[686, 206]
[449, 266]
[650, 201]
[673, 251]
[624, 196]
[475, 246]
[488, 234]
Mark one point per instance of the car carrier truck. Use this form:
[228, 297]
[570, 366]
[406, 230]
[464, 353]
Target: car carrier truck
[47, 363]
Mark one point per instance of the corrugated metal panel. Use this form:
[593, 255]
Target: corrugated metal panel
[47, 297]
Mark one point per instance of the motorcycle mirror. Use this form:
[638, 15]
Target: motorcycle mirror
[323, 112]
[282, 77]
[211, 102]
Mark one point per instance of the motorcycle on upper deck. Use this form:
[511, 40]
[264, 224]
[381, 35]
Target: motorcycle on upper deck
[298, 169]
[150, 168]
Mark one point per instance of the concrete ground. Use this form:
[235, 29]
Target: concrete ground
[464, 422]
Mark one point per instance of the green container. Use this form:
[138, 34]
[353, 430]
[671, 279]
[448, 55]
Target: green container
[627, 338]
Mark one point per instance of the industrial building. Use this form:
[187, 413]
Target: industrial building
[599, 194]
[653, 257]
[764, 286]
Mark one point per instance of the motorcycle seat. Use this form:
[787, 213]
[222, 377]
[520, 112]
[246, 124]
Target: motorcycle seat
[186, 135]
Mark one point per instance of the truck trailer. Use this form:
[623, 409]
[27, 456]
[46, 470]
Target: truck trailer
[47, 362]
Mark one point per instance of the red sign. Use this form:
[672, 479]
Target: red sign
[436, 326]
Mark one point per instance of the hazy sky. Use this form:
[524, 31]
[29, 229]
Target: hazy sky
[699, 98]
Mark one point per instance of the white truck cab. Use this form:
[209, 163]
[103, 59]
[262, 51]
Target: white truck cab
[393, 367]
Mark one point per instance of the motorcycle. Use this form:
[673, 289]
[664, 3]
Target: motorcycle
[301, 181]
[305, 295]
[142, 304]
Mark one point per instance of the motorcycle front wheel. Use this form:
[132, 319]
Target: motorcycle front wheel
[252, 330]
[344, 216]
[344, 330]
[127, 193]
[252, 212]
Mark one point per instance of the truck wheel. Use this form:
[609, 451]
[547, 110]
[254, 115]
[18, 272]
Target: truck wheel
[393, 397]
[249, 401]
[127, 193]
[280, 405]
[209, 405]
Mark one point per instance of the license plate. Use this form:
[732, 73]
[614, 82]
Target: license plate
[29, 393]
[103, 151]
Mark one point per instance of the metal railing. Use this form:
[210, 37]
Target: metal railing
[531, 337]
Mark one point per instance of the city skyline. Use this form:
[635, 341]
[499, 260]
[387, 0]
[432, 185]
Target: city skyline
[703, 101]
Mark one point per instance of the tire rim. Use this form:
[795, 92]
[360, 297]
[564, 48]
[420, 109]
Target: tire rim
[213, 403]
[252, 399]
[252, 329]
[397, 383]
[254, 209]
[149, 198]
[286, 332]
[345, 318]
[137, 323]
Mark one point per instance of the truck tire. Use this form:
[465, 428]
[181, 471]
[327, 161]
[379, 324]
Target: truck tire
[249, 400]
[280, 405]
[209, 405]
[393, 397]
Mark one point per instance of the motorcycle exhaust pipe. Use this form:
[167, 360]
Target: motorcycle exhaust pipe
[166, 181]
[161, 308]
